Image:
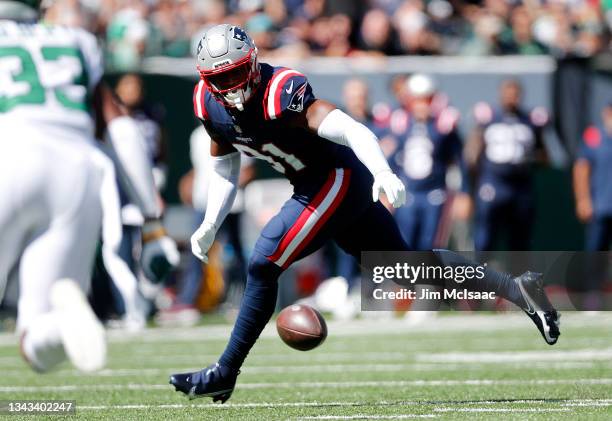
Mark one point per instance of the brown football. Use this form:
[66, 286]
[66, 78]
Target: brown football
[301, 327]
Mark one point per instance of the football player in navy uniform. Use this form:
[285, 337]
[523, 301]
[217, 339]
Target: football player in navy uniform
[593, 183]
[593, 193]
[501, 152]
[428, 143]
[336, 168]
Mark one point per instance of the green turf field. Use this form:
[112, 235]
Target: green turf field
[476, 367]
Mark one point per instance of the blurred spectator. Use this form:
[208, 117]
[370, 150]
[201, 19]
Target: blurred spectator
[127, 35]
[502, 149]
[134, 29]
[377, 34]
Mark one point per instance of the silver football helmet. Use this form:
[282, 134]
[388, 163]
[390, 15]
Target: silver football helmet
[227, 62]
[19, 10]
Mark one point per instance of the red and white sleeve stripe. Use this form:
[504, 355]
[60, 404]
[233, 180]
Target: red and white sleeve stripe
[272, 105]
[199, 100]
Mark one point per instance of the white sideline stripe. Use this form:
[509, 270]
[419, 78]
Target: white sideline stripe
[517, 356]
[199, 99]
[568, 357]
[317, 213]
[572, 402]
[368, 326]
[502, 409]
[367, 417]
[309, 385]
[274, 88]
[333, 368]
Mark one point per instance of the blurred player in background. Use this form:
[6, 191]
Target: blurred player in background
[194, 192]
[502, 149]
[356, 99]
[51, 180]
[338, 172]
[593, 182]
[593, 193]
[428, 144]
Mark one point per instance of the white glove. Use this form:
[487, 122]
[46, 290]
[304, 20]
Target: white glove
[392, 186]
[202, 240]
[159, 253]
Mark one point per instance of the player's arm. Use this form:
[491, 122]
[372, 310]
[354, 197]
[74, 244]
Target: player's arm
[222, 188]
[128, 146]
[128, 151]
[582, 189]
[330, 123]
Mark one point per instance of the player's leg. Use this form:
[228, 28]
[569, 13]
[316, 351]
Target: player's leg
[431, 215]
[375, 230]
[488, 217]
[407, 218]
[12, 230]
[303, 225]
[54, 315]
[520, 219]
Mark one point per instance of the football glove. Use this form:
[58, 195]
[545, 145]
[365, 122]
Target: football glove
[202, 240]
[392, 186]
[159, 253]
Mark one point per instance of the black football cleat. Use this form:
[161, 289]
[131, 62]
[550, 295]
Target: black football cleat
[215, 381]
[538, 307]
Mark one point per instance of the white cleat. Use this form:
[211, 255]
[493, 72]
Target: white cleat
[81, 331]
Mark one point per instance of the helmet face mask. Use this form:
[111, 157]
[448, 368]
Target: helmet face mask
[227, 63]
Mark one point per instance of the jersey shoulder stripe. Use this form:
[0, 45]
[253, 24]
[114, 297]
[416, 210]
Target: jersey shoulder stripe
[276, 87]
[199, 101]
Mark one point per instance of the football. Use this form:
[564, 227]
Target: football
[301, 327]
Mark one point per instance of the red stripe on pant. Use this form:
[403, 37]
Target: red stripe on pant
[307, 212]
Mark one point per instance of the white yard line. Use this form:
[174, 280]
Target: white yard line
[333, 368]
[361, 327]
[310, 385]
[478, 409]
[518, 356]
[367, 417]
[567, 357]
[319, 404]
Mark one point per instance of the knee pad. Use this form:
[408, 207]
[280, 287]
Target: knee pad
[260, 267]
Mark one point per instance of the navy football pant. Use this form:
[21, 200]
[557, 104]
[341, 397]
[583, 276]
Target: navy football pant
[599, 234]
[418, 220]
[503, 208]
[336, 206]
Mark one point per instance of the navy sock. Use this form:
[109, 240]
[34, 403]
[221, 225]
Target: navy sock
[257, 307]
[501, 283]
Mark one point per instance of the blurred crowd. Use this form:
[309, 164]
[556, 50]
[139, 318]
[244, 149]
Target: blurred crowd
[133, 29]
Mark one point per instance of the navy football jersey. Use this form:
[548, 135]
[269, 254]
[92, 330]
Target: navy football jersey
[597, 149]
[425, 150]
[264, 128]
[510, 140]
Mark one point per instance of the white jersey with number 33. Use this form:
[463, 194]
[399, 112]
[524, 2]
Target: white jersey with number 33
[47, 75]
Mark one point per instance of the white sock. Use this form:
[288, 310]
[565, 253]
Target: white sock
[42, 343]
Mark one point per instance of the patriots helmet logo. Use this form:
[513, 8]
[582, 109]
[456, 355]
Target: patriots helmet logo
[239, 34]
[297, 100]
